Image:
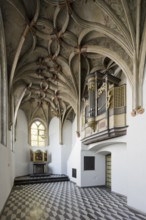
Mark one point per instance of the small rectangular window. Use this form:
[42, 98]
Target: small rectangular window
[89, 163]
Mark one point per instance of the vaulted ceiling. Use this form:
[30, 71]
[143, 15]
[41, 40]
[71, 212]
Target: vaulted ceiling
[52, 45]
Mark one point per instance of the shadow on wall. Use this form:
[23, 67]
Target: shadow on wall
[50, 170]
[104, 152]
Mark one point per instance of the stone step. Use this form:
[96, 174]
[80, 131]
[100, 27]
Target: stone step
[34, 179]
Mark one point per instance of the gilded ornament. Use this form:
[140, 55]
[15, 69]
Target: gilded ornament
[101, 90]
[133, 113]
[140, 110]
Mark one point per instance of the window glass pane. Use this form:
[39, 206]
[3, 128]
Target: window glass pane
[41, 127]
[38, 134]
[41, 143]
[34, 143]
[41, 132]
[37, 123]
[41, 139]
[33, 131]
[34, 137]
[33, 126]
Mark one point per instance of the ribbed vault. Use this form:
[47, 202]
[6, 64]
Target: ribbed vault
[53, 44]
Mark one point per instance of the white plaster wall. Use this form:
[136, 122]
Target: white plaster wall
[67, 145]
[74, 162]
[21, 148]
[119, 169]
[6, 177]
[93, 177]
[118, 166]
[7, 170]
[136, 146]
[54, 149]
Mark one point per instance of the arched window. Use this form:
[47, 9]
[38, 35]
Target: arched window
[38, 134]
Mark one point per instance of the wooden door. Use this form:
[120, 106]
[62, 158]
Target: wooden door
[108, 170]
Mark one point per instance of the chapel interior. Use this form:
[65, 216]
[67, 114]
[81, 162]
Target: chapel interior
[73, 97]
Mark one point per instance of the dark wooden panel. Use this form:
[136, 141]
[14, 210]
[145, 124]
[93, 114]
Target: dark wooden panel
[89, 163]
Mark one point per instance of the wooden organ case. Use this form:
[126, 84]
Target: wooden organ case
[104, 108]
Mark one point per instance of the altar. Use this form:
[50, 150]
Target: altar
[39, 161]
[39, 168]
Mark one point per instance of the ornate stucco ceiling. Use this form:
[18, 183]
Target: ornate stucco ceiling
[52, 45]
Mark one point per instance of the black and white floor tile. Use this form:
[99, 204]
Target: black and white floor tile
[65, 201]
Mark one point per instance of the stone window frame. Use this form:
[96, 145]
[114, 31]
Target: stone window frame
[45, 129]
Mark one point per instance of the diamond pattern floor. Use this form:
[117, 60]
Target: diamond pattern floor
[64, 200]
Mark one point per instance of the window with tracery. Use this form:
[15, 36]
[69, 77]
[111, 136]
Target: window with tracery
[38, 134]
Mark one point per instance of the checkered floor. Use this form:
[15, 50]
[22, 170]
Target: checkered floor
[64, 200]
